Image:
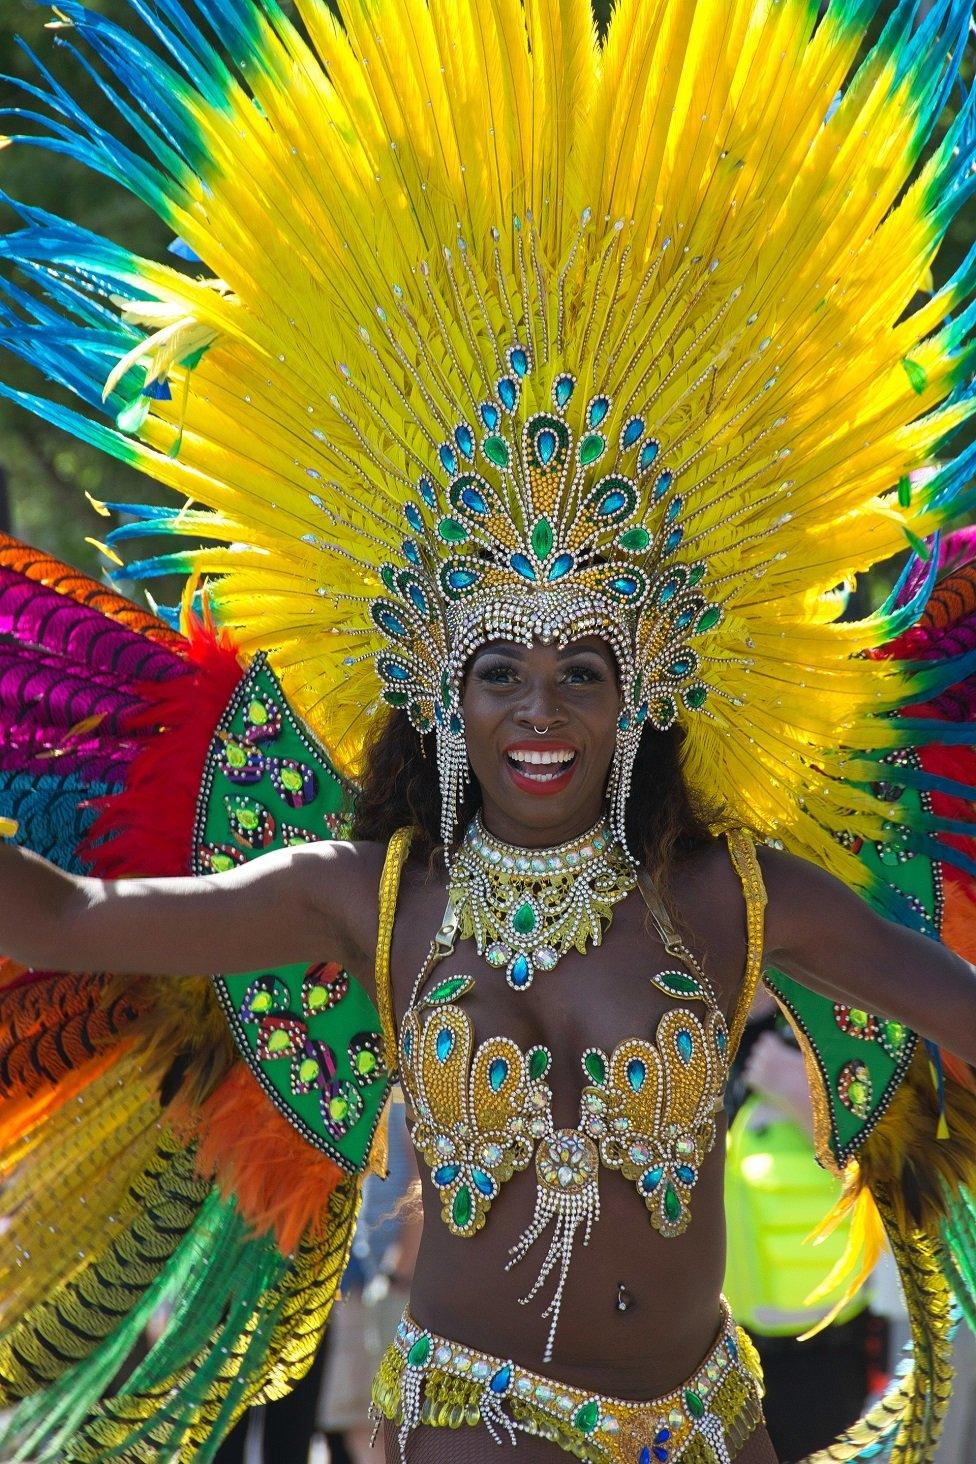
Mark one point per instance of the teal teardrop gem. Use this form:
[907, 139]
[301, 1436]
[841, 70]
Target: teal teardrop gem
[636, 1074]
[562, 390]
[685, 1045]
[444, 1044]
[497, 1073]
[520, 971]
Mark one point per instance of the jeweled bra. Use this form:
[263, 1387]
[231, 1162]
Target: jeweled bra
[482, 1113]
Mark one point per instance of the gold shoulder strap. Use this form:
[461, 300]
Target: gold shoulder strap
[396, 857]
[742, 851]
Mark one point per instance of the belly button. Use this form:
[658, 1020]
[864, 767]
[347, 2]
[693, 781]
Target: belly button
[625, 1298]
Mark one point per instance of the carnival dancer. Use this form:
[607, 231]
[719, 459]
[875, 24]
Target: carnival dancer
[531, 396]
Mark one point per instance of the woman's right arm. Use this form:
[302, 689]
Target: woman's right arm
[315, 902]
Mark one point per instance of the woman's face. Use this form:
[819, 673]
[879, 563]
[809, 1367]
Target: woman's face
[543, 787]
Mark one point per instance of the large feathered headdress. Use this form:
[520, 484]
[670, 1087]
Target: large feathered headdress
[489, 328]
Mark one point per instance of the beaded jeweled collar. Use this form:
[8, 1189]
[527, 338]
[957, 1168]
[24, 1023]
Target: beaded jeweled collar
[525, 908]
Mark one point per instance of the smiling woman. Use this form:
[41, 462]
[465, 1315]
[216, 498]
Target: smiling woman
[526, 398]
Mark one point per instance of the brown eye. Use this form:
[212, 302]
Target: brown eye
[499, 674]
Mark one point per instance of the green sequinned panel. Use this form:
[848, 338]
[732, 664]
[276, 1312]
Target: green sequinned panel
[862, 1056]
[309, 1033]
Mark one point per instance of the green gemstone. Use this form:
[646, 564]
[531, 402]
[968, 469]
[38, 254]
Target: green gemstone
[672, 1205]
[261, 1001]
[894, 1033]
[693, 1403]
[592, 447]
[317, 997]
[587, 1417]
[634, 540]
[257, 714]
[247, 818]
[279, 1041]
[496, 451]
[596, 1066]
[338, 1108]
[857, 1093]
[542, 539]
[365, 1062]
[709, 618]
[236, 756]
[451, 531]
[221, 863]
[858, 1018]
[419, 1352]
[307, 1069]
[538, 1062]
[524, 920]
[291, 779]
[461, 1208]
[446, 990]
[676, 983]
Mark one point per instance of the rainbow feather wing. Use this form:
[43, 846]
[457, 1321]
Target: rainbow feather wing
[125, 1102]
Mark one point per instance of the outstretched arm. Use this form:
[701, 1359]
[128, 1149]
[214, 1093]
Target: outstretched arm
[313, 902]
[827, 937]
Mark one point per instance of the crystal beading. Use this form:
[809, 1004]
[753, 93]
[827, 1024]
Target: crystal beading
[525, 908]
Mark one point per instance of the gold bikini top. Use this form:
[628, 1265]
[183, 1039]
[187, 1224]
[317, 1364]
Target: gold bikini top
[648, 1108]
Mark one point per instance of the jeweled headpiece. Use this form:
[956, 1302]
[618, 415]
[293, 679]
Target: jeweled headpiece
[537, 526]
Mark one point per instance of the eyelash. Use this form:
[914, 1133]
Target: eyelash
[494, 675]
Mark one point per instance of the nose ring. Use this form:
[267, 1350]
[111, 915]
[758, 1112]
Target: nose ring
[540, 731]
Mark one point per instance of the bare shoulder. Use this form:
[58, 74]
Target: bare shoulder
[802, 898]
[711, 908]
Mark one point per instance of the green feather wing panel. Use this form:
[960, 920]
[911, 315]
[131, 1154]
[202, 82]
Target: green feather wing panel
[310, 1034]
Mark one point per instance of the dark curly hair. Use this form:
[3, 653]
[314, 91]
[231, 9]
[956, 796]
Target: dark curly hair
[400, 787]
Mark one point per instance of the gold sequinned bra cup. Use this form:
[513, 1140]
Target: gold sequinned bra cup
[481, 1114]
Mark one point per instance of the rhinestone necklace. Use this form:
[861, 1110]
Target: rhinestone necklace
[525, 908]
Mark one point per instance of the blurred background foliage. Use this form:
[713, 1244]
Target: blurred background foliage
[46, 472]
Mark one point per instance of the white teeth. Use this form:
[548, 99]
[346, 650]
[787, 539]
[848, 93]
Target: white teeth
[563, 755]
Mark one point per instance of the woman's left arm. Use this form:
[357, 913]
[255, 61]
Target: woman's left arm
[829, 938]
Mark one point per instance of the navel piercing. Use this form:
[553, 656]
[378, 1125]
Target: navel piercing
[625, 1298]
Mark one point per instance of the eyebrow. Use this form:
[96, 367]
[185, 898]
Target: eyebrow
[515, 648]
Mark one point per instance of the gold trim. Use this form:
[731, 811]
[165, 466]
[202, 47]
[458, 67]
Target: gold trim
[396, 857]
[742, 852]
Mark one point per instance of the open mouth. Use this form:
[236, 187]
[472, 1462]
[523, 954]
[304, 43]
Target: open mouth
[541, 769]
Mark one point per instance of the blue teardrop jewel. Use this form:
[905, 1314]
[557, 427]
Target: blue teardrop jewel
[497, 1073]
[508, 393]
[597, 410]
[562, 390]
[520, 973]
[545, 446]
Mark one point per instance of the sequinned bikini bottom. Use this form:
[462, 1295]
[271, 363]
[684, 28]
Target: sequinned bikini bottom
[426, 1379]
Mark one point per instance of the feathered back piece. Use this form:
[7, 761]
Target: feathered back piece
[643, 314]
